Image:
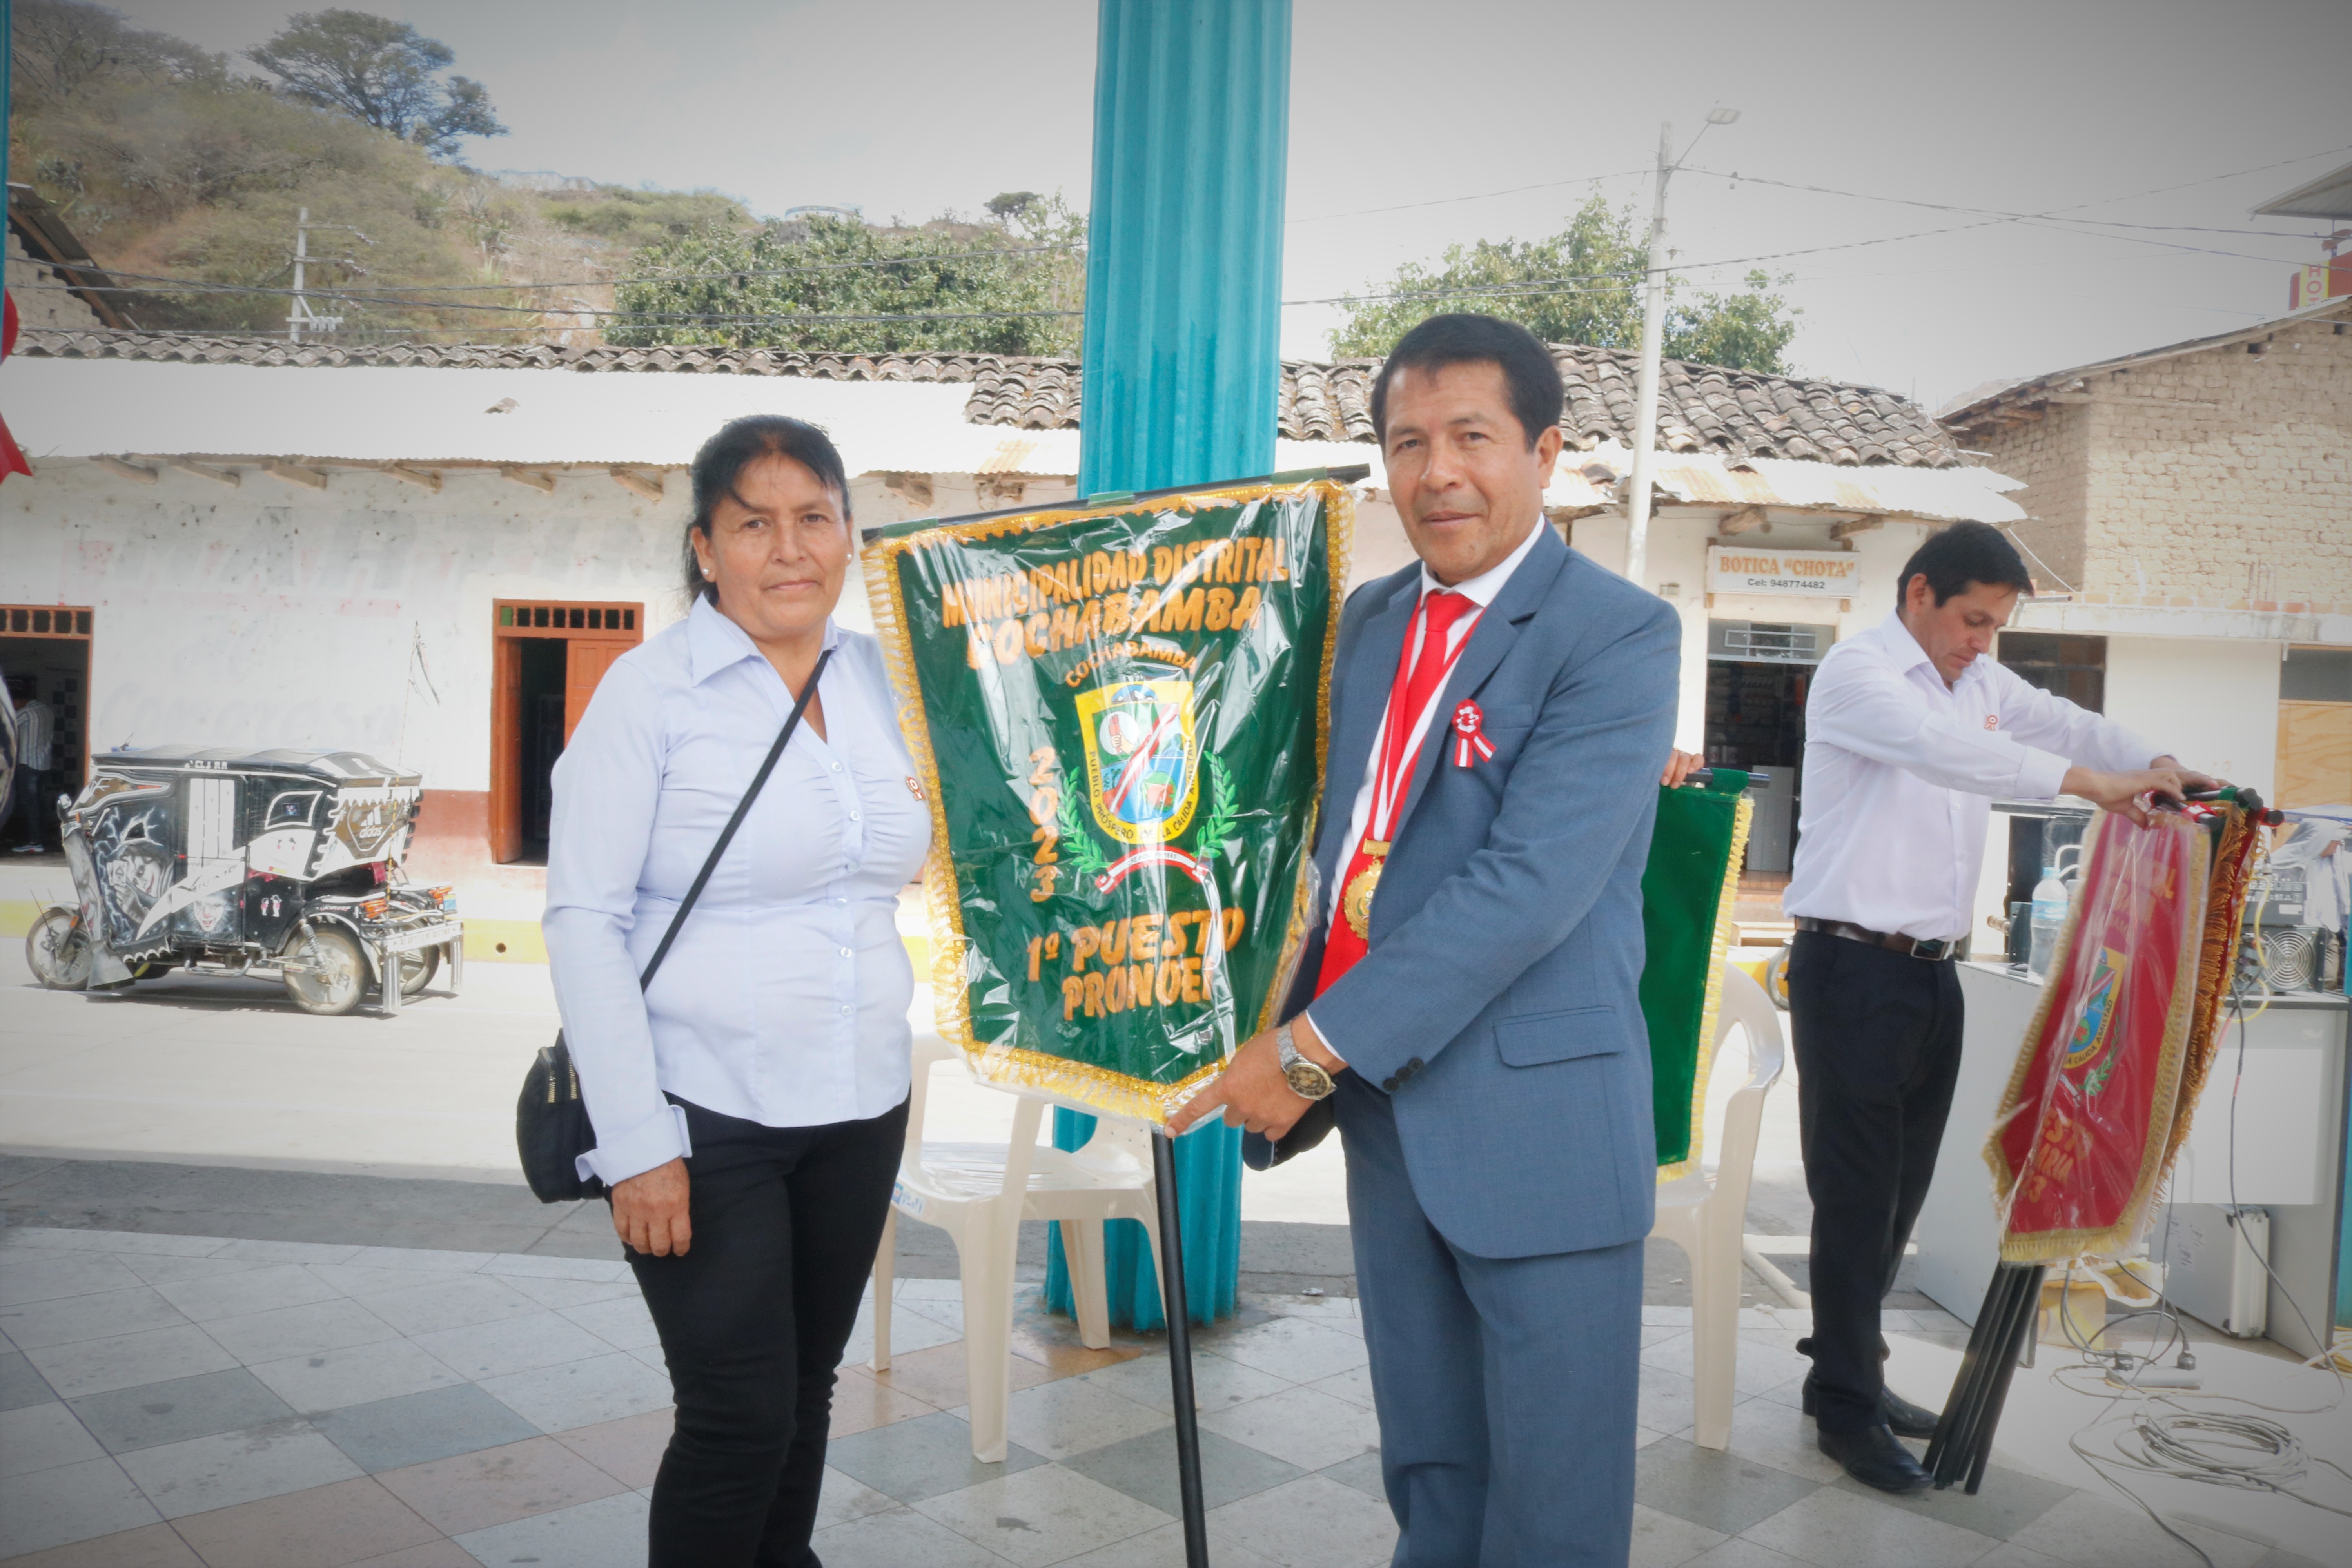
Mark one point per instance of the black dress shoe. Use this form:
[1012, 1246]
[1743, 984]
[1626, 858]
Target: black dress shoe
[1873, 1457]
[1909, 1420]
[1906, 1420]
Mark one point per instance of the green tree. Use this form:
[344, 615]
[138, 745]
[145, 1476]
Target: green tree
[61, 45]
[1582, 285]
[381, 73]
[1008, 288]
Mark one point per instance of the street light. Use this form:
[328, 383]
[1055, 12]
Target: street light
[1645, 381]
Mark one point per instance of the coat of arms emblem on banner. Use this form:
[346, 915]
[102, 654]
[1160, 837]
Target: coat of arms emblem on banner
[1143, 774]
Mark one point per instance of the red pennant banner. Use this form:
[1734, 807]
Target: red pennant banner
[2085, 1127]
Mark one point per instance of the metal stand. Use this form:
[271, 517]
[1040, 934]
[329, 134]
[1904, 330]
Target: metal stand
[1180, 1352]
[1962, 1446]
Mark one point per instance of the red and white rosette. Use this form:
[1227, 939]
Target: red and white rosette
[1469, 734]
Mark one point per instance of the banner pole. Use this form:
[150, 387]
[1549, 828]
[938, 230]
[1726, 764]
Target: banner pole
[2010, 1304]
[1179, 1351]
[2030, 1300]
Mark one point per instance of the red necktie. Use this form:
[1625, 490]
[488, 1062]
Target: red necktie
[1418, 679]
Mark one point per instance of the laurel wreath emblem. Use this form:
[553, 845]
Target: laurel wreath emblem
[1086, 855]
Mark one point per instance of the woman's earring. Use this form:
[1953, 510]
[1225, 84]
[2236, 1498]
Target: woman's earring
[706, 571]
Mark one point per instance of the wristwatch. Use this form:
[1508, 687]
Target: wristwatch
[1307, 1080]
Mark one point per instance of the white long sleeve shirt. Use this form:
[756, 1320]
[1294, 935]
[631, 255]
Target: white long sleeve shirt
[1900, 772]
[783, 1000]
[35, 726]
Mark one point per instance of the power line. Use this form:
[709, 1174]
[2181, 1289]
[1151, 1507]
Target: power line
[199, 286]
[1990, 211]
[357, 290]
[1615, 283]
[1474, 197]
[732, 274]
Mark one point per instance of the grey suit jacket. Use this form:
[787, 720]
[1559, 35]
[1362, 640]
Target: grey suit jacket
[1498, 1005]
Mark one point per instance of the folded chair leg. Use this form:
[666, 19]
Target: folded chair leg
[1714, 1342]
[1082, 1250]
[987, 1268]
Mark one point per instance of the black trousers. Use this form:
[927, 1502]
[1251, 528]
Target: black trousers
[752, 1322]
[36, 805]
[1878, 1049]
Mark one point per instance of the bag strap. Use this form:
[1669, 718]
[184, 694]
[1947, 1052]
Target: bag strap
[742, 808]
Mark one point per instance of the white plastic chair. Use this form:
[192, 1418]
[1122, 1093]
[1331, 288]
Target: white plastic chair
[1706, 1216]
[979, 1193]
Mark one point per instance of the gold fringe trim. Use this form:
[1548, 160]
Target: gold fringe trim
[1112, 1093]
[2050, 1246]
[2217, 964]
[1726, 928]
[1116, 1094]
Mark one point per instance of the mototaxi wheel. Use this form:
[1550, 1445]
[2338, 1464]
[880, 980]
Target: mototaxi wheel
[325, 972]
[418, 969]
[1776, 978]
[57, 950]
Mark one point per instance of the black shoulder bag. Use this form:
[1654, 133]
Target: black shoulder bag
[552, 1125]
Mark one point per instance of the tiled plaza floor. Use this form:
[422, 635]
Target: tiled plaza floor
[190, 1401]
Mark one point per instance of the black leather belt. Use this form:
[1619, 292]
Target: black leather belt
[1942, 951]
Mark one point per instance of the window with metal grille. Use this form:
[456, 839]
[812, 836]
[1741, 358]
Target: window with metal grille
[2074, 667]
[1769, 642]
[43, 621]
[517, 619]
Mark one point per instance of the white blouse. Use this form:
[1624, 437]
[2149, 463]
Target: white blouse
[783, 1000]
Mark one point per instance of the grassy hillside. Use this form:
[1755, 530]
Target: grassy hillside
[186, 177]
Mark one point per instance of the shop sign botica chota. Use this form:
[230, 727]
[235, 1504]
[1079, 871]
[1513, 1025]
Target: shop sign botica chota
[1811, 574]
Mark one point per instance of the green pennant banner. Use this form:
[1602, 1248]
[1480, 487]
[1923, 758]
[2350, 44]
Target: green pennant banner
[1688, 889]
[1120, 714]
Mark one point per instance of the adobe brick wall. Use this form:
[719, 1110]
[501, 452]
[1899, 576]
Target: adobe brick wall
[2222, 476]
[2053, 455]
[43, 306]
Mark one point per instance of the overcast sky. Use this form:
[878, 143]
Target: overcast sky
[903, 110]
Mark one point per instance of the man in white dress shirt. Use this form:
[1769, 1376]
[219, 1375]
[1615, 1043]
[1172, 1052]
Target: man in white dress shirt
[37, 784]
[1910, 731]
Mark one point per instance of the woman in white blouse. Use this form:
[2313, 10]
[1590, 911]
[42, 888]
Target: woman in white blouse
[750, 1105]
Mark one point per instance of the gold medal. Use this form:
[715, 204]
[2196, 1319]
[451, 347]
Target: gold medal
[1356, 902]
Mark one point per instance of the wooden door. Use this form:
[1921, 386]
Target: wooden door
[584, 665]
[2315, 753]
[594, 635]
[506, 749]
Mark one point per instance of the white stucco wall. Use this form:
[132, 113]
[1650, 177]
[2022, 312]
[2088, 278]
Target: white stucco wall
[275, 616]
[1677, 560]
[2212, 703]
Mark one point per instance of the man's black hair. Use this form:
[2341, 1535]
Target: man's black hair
[1461, 338]
[1963, 554]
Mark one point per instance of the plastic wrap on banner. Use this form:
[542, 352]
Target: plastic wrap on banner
[1120, 715]
[2084, 1129]
[1689, 886]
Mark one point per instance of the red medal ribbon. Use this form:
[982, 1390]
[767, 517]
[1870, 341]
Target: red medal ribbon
[1424, 663]
[1469, 735]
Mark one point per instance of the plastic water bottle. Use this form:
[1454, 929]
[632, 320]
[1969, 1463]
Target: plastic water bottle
[2051, 899]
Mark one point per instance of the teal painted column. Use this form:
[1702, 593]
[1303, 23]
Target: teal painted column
[1182, 366]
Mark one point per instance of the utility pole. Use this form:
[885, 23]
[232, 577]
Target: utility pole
[302, 315]
[1645, 382]
[1653, 330]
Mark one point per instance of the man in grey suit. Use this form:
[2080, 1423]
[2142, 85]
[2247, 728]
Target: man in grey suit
[1467, 1002]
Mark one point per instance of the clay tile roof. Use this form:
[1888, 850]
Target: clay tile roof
[1707, 409]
